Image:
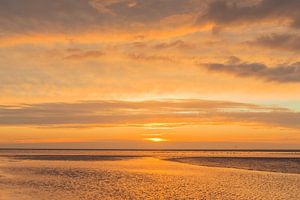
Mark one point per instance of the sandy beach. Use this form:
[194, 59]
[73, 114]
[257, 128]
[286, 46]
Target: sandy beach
[77, 177]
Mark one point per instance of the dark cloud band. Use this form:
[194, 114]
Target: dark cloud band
[126, 113]
[281, 73]
[230, 12]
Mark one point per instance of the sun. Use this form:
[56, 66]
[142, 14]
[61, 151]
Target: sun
[156, 139]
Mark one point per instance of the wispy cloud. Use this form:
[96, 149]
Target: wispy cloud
[151, 58]
[180, 44]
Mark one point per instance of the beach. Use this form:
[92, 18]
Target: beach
[87, 176]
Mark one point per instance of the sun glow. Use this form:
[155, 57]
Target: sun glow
[156, 139]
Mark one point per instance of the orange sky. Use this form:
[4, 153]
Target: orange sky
[150, 74]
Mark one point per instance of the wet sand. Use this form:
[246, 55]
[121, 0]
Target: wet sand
[70, 157]
[138, 178]
[283, 165]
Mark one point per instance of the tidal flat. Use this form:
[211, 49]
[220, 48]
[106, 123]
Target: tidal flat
[83, 175]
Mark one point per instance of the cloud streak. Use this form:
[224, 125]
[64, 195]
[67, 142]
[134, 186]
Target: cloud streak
[77, 54]
[285, 41]
[287, 73]
[126, 113]
[180, 44]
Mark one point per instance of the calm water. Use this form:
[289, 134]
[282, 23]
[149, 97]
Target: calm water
[39, 175]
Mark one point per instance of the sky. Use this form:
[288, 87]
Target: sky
[167, 74]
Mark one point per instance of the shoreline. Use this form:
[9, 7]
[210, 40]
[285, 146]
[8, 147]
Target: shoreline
[217, 150]
[69, 157]
[289, 165]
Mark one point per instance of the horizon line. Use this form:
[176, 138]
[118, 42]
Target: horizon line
[149, 149]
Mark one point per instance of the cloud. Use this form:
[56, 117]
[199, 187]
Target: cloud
[145, 57]
[127, 113]
[290, 42]
[77, 54]
[81, 16]
[94, 21]
[105, 17]
[286, 73]
[233, 12]
[180, 44]
[145, 11]
[46, 16]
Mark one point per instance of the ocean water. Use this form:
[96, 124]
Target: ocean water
[92, 175]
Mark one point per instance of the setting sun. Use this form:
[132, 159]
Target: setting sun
[156, 139]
